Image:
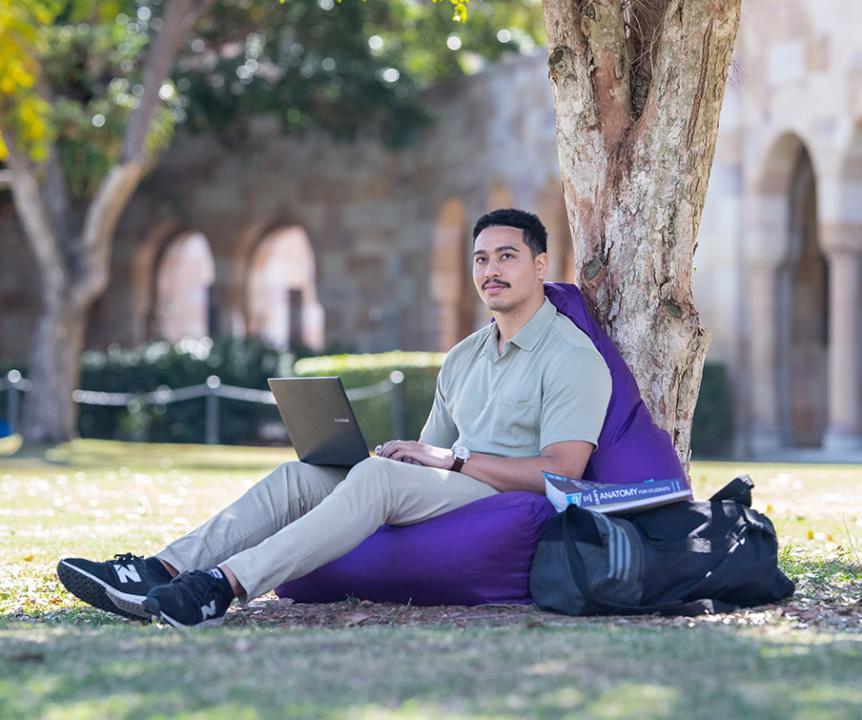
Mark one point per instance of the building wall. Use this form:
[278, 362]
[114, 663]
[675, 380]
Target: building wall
[378, 219]
[794, 105]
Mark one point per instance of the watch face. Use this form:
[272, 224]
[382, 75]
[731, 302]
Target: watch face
[460, 451]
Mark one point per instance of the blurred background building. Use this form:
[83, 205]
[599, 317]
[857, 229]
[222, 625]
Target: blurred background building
[308, 242]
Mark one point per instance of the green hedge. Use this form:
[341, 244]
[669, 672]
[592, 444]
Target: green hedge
[245, 363]
[712, 428]
[374, 415]
[248, 363]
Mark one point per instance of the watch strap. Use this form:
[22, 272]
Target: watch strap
[457, 465]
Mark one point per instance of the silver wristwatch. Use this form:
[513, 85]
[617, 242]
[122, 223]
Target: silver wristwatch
[462, 454]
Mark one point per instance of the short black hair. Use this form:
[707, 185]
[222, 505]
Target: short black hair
[535, 235]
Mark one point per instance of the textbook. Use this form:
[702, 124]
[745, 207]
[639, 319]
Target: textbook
[563, 491]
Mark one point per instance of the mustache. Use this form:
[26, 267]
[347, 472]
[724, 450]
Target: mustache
[495, 282]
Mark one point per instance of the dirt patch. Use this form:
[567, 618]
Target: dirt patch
[837, 608]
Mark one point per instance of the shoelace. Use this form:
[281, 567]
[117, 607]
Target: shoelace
[128, 557]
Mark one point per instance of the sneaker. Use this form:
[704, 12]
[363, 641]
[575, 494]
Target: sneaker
[118, 586]
[195, 598]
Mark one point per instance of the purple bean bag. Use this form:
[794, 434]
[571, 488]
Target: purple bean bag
[632, 448]
[480, 553]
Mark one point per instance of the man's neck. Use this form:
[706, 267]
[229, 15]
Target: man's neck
[510, 323]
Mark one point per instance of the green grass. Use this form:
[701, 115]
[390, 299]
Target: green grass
[60, 659]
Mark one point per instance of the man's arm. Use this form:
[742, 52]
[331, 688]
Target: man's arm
[439, 428]
[503, 473]
[507, 474]
[575, 397]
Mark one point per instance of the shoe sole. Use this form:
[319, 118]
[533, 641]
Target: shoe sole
[151, 607]
[99, 594]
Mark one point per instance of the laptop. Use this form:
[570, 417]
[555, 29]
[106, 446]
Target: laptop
[319, 420]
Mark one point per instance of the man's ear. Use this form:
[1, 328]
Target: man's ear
[542, 265]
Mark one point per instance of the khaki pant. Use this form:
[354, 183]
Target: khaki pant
[300, 517]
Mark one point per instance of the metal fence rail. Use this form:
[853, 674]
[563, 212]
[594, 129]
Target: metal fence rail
[212, 390]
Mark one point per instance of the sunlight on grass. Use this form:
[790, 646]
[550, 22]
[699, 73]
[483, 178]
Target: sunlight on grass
[634, 699]
[61, 659]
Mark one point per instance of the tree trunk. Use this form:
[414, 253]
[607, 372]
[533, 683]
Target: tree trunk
[74, 263]
[55, 364]
[638, 89]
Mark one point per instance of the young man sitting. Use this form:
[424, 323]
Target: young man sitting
[526, 393]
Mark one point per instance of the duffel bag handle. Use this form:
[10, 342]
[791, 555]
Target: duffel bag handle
[739, 490]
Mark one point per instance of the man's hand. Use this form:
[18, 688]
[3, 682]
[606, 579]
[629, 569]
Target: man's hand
[418, 453]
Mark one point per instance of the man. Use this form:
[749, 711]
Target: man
[524, 394]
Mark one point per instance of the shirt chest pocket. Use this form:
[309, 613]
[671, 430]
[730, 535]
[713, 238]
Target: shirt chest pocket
[515, 423]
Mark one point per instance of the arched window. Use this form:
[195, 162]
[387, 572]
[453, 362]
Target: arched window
[809, 322]
[283, 308]
[551, 209]
[184, 289]
[789, 306]
[451, 281]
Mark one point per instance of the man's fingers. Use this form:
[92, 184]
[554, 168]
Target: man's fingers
[386, 448]
[390, 450]
[403, 450]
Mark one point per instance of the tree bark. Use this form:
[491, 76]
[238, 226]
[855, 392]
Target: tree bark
[74, 262]
[55, 364]
[638, 88]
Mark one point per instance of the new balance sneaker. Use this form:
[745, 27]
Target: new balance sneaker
[193, 598]
[118, 586]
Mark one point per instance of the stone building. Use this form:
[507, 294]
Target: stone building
[302, 240]
[778, 276]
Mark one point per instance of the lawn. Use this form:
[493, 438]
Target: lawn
[59, 659]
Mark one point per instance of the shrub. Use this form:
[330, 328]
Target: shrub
[245, 363]
[712, 427]
[375, 415]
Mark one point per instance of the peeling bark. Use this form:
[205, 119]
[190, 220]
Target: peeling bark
[74, 262]
[638, 93]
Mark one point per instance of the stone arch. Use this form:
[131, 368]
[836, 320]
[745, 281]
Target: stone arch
[771, 241]
[805, 379]
[551, 209]
[184, 282]
[789, 301]
[147, 255]
[499, 196]
[451, 283]
[281, 292]
[239, 261]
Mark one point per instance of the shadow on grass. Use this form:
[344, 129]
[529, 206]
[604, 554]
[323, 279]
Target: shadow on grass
[100, 454]
[582, 671]
[74, 616]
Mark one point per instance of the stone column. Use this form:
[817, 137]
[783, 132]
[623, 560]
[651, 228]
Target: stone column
[767, 251]
[843, 430]
[764, 293]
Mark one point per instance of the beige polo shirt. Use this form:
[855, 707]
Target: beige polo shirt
[549, 385]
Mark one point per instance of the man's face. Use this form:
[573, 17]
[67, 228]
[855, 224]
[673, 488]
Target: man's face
[504, 271]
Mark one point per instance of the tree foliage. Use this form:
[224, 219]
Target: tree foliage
[23, 112]
[73, 80]
[70, 70]
[92, 90]
[339, 66]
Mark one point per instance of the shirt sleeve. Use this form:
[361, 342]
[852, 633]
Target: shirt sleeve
[575, 397]
[440, 430]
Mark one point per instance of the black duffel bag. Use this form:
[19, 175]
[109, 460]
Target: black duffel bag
[686, 558]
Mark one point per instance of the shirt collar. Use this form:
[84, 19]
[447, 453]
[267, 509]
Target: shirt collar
[528, 336]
